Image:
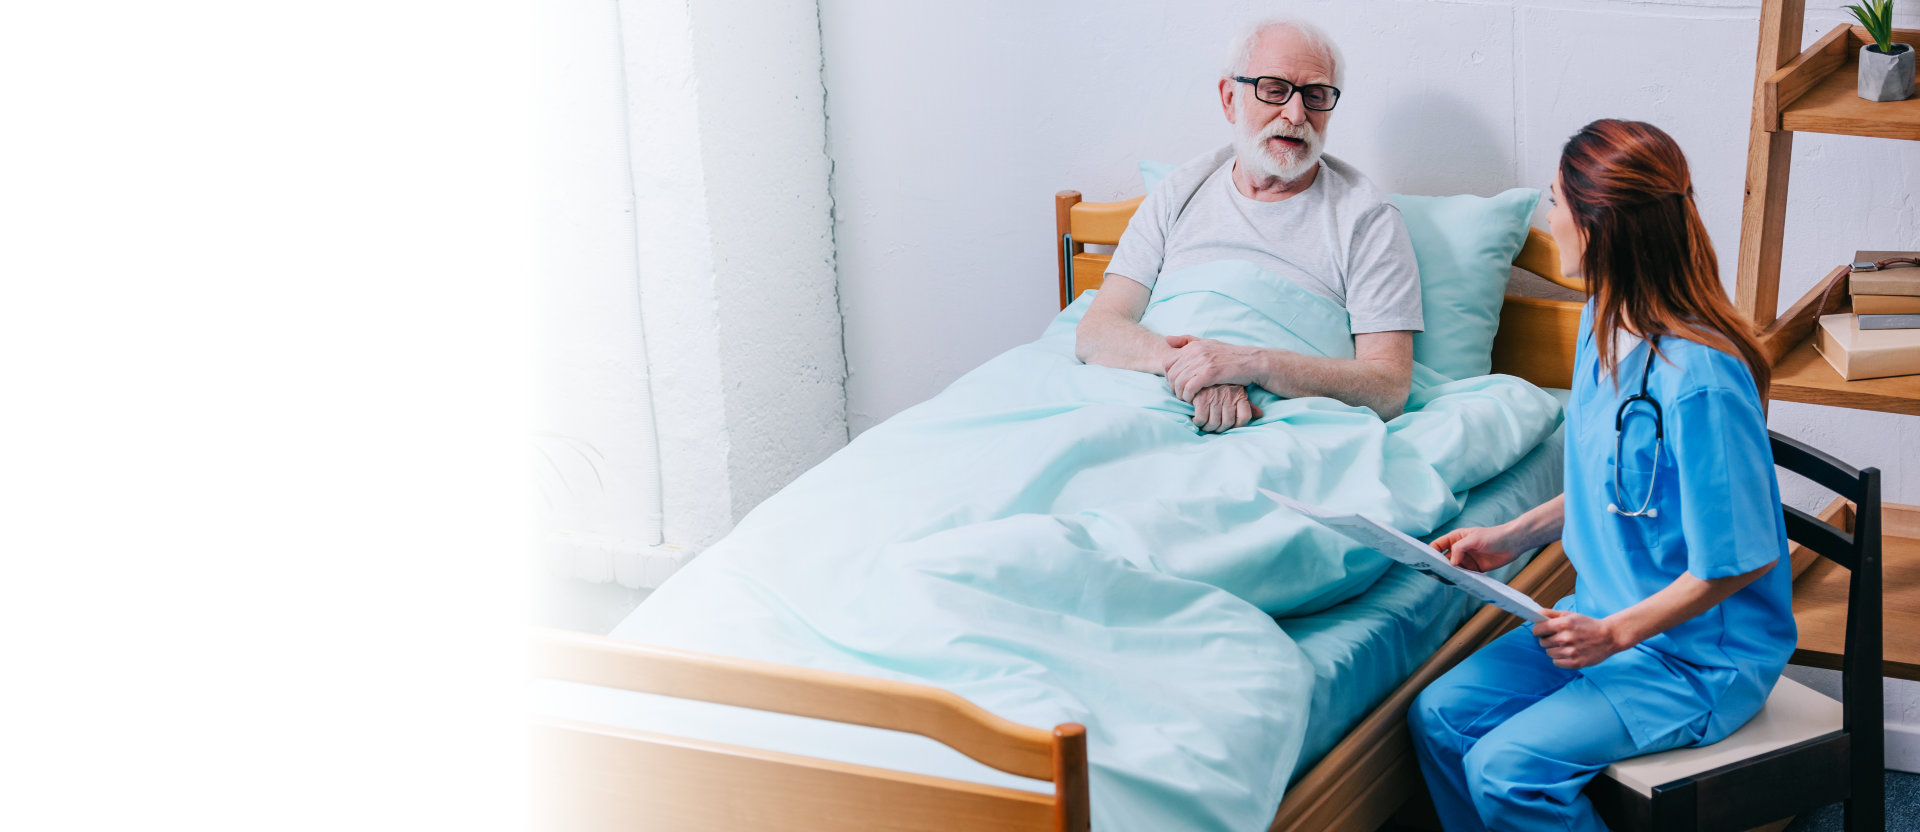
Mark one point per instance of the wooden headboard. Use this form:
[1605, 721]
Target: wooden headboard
[1536, 336]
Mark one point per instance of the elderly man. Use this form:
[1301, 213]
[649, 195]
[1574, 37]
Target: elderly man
[1273, 199]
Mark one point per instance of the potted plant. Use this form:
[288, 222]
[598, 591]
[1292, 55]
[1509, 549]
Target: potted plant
[1886, 68]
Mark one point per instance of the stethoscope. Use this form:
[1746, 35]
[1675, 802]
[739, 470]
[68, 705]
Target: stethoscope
[1620, 441]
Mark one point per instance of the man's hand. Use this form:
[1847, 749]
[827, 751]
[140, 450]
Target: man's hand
[1200, 363]
[1574, 641]
[1223, 407]
[1480, 548]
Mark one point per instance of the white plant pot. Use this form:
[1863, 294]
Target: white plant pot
[1886, 77]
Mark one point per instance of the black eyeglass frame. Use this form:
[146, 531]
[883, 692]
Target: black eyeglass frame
[1291, 89]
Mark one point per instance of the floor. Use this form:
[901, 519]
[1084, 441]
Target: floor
[1903, 808]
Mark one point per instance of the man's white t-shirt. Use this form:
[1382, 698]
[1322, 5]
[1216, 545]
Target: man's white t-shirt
[1339, 239]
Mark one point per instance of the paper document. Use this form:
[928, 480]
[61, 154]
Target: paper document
[1406, 549]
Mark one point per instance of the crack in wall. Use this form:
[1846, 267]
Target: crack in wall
[833, 218]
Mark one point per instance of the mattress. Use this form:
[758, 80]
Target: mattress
[1360, 651]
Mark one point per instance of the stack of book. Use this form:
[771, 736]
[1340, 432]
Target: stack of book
[1881, 337]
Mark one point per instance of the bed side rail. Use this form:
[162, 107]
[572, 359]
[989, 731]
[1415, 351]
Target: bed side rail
[1058, 756]
[841, 697]
[596, 778]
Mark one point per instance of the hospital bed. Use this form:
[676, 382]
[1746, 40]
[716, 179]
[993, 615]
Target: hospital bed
[598, 768]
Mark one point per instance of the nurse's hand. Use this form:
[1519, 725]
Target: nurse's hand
[1574, 641]
[1479, 548]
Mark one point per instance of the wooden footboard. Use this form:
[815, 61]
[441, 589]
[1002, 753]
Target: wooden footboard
[1364, 779]
[595, 777]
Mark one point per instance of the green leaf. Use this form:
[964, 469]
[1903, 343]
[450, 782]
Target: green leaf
[1876, 16]
[1864, 16]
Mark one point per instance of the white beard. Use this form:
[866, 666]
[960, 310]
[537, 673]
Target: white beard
[1289, 164]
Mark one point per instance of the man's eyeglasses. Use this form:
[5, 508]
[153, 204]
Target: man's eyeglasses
[1278, 91]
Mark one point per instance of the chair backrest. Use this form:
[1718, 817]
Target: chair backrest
[1858, 550]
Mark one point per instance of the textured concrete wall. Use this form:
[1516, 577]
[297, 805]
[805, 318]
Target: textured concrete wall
[674, 236]
[763, 150]
[689, 260]
[725, 107]
[952, 125]
[596, 464]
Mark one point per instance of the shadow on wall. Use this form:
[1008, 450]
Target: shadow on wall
[1436, 145]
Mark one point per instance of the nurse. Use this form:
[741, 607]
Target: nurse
[1679, 624]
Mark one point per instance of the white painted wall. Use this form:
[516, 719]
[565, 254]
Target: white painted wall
[764, 167]
[689, 277]
[952, 125]
[596, 461]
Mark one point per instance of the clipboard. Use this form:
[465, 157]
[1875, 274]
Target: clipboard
[1423, 558]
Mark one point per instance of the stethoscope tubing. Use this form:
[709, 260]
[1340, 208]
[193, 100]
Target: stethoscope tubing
[1620, 439]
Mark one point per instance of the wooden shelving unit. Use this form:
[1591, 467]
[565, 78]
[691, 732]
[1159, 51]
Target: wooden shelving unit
[1800, 374]
[1812, 90]
[1815, 92]
[1804, 376]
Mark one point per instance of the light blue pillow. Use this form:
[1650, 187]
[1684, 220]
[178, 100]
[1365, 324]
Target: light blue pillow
[1152, 172]
[1464, 246]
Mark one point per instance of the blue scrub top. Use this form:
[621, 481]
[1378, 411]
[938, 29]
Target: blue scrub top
[1719, 515]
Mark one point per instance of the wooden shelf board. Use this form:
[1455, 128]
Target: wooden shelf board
[1804, 376]
[1832, 104]
[1820, 600]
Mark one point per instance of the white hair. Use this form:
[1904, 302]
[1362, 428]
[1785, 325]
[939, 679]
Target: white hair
[1240, 48]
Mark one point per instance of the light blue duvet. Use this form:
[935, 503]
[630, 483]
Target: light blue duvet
[1058, 543]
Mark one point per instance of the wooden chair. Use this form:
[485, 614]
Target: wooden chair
[1803, 750]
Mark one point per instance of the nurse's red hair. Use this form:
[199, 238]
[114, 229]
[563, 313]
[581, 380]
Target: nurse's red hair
[1648, 261]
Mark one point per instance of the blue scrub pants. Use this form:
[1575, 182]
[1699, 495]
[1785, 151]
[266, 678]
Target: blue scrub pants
[1506, 740]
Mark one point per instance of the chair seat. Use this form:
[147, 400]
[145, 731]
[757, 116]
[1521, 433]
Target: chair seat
[1794, 713]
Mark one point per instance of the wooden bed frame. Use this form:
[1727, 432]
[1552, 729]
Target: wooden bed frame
[589, 776]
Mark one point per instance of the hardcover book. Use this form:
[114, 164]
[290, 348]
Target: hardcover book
[1886, 304]
[1902, 280]
[1889, 321]
[1875, 353]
